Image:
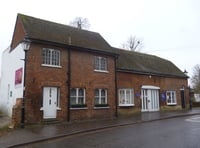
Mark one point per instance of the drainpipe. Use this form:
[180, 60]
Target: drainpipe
[69, 83]
[116, 92]
[26, 46]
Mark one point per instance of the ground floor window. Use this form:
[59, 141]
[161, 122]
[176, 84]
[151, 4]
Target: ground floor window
[101, 97]
[171, 97]
[77, 97]
[126, 97]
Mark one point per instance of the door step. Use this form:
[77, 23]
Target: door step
[50, 121]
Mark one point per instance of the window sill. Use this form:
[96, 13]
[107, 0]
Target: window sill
[106, 107]
[101, 71]
[79, 108]
[51, 66]
[172, 104]
[57, 108]
[126, 105]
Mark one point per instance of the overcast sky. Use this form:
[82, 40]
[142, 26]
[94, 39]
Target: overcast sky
[169, 28]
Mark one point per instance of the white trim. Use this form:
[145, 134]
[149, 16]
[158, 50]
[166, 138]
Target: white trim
[103, 71]
[126, 105]
[107, 107]
[149, 87]
[53, 66]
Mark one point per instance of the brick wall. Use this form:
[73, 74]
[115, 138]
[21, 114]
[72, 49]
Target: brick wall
[82, 76]
[38, 76]
[136, 81]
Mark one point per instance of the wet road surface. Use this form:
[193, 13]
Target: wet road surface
[181, 132]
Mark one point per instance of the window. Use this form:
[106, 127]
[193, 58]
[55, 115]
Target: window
[100, 63]
[77, 97]
[171, 97]
[50, 57]
[100, 97]
[126, 97]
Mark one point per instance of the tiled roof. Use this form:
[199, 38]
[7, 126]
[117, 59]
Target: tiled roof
[146, 64]
[127, 61]
[53, 32]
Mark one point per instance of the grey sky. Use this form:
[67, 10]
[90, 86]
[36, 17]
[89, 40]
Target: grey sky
[168, 28]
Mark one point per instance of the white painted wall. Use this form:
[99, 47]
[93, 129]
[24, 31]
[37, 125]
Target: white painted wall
[11, 61]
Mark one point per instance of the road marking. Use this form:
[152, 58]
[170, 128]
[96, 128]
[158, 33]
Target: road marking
[195, 119]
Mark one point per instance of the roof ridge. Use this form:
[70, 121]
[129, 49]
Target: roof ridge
[54, 22]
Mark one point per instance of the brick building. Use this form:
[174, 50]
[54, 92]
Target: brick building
[73, 74]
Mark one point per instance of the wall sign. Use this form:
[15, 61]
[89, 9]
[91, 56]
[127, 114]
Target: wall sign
[18, 76]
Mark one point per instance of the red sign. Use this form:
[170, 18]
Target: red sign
[18, 76]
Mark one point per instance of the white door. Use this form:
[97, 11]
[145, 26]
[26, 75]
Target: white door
[150, 99]
[49, 102]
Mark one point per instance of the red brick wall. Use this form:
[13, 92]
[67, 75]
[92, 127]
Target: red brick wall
[18, 35]
[135, 81]
[82, 75]
[38, 76]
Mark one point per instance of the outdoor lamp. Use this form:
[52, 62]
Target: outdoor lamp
[26, 45]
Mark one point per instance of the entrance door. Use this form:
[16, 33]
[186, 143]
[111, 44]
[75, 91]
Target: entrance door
[150, 98]
[182, 98]
[49, 102]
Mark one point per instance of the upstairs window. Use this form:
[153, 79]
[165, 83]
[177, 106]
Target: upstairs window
[171, 97]
[100, 63]
[50, 57]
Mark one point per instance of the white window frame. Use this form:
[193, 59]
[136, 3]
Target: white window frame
[77, 96]
[100, 97]
[100, 64]
[52, 59]
[124, 100]
[169, 99]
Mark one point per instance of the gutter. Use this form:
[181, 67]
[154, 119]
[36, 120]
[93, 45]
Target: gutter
[150, 73]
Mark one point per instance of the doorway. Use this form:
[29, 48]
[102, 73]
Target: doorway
[50, 95]
[150, 98]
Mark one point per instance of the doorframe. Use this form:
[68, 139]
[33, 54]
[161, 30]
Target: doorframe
[42, 108]
[149, 88]
[182, 95]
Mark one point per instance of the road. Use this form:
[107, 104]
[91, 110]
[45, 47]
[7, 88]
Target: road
[181, 132]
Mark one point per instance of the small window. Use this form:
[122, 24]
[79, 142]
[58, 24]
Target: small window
[126, 97]
[101, 98]
[171, 97]
[50, 57]
[100, 63]
[77, 97]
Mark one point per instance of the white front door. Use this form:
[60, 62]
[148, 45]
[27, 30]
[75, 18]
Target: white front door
[49, 102]
[150, 98]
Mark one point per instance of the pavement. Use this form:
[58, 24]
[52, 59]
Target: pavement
[38, 133]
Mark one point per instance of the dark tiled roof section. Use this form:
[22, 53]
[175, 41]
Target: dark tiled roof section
[145, 63]
[53, 32]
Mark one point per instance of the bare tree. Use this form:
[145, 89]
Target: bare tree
[195, 79]
[133, 44]
[81, 23]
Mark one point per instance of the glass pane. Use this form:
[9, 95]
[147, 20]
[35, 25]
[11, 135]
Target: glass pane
[73, 100]
[128, 96]
[103, 100]
[122, 97]
[96, 100]
[80, 92]
[103, 93]
[73, 92]
[96, 92]
[80, 100]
